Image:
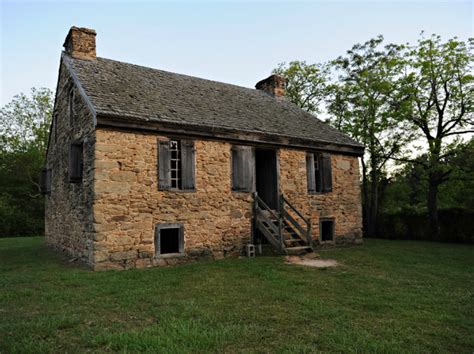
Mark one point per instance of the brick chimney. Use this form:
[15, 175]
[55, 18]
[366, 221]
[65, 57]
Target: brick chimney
[274, 85]
[80, 43]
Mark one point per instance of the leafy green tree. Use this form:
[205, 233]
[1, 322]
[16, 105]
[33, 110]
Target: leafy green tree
[437, 92]
[360, 104]
[357, 91]
[407, 189]
[25, 121]
[307, 83]
[24, 129]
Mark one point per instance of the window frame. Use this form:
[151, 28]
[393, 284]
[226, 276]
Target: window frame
[318, 173]
[188, 164]
[321, 162]
[80, 168]
[46, 181]
[157, 240]
[239, 181]
[179, 167]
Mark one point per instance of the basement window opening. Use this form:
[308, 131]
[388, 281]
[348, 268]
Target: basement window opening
[169, 239]
[327, 230]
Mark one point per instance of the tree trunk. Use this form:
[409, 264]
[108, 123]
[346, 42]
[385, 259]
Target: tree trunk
[365, 197]
[373, 208]
[434, 180]
[433, 185]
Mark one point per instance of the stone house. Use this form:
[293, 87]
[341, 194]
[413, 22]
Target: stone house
[146, 167]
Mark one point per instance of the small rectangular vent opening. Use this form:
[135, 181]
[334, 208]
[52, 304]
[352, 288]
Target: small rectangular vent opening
[327, 230]
[169, 240]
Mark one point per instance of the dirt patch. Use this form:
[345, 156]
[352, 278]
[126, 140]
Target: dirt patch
[311, 261]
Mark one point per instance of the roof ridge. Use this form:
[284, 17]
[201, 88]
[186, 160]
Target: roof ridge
[181, 74]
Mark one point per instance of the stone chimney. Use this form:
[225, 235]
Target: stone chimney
[80, 43]
[274, 85]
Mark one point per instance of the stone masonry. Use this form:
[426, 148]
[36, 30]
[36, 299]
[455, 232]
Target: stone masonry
[217, 221]
[68, 218]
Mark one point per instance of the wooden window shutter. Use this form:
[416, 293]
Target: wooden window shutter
[188, 164]
[164, 172]
[75, 162]
[310, 172]
[243, 168]
[326, 172]
[45, 181]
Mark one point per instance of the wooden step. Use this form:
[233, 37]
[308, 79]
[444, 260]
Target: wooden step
[269, 215]
[291, 240]
[298, 250]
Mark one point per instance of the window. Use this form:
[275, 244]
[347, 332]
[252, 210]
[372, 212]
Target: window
[176, 162]
[318, 168]
[169, 239]
[75, 162]
[326, 230]
[72, 111]
[175, 159]
[243, 168]
[45, 181]
[317, 172]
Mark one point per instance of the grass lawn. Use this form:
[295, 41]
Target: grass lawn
[388, 296]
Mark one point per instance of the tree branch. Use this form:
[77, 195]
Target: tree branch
[459, 133]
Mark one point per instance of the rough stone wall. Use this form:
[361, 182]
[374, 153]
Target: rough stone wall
[343, 203]
[80, 43]
[128, 203]
[68, 217]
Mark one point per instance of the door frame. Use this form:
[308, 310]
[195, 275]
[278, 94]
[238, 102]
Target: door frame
[254, 232]
[276, 153]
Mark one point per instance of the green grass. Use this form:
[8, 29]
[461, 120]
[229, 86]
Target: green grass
[388, 296]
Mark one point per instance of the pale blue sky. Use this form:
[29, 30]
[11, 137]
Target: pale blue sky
[234, 42]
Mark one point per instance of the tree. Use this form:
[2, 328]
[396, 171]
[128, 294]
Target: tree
[307, 83]
[25, 121]
[360, 104]
[437, 92]
[24, 130]
[358, 101]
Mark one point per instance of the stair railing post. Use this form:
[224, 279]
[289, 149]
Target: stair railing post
[254, 218]
[280, 233]
[309, 236]
[280, 221]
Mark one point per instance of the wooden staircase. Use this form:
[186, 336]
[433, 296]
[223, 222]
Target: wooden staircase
[283, 228]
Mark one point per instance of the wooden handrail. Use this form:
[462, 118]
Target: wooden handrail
[308, 223]
[282, 217]
[283, 212]
[259, 206]
[259, 200]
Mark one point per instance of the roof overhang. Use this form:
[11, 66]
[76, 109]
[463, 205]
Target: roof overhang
[118, 121]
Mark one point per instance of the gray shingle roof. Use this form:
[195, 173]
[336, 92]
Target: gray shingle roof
[145, 94]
